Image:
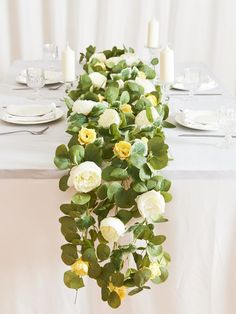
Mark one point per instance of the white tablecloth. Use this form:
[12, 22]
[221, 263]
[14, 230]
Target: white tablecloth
[200, 233]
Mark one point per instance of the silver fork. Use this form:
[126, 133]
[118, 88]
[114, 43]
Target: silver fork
[26, 131]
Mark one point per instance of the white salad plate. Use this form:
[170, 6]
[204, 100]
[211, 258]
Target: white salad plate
[205, 120]
[51, 77]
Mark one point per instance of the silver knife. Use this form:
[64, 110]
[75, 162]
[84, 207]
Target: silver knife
[197, 94]
[204, 135]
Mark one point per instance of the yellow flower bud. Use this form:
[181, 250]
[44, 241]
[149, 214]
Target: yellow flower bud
[155, 270]
[122, 149]
[100, 64]
[121, 291]
[152, 99]
[100, 97]
[141, 75]
[80, 267]
[86, 136]
[126, 108]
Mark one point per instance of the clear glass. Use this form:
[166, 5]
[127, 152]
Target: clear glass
[35, 79]
[227, 125]
[50, 52]
[192, 78]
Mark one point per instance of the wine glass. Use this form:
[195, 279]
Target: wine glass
[192, 80]
[35, 79]
[50, 52]
[227, 124]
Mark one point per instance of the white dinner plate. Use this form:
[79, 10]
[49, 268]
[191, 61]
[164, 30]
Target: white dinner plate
[28, 110]
[205, 86]
[51, 77]
[204, 120]
[49, 117]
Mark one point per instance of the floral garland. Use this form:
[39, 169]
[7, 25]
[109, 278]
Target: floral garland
[117, 147]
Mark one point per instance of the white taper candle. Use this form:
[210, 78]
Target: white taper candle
[153, 34]
[167, 65]
[68, 65]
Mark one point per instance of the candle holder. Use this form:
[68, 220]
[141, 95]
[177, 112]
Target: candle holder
[153, 52]
[165, 86]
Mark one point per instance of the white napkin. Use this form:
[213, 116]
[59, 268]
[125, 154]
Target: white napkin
[202, 117]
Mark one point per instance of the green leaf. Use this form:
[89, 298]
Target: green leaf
[119, 174]
[168, 125]
[85, 222]
[137, 160]
[154, 61]
[73, 281]
[102, 192]
[85, 82]
[135, 291]
[62, 158]
[149, 72]
[154, 250]
[114, 300]
[124, 215]
[114, 129]
[142, 276]
[142, 232]
[111, 94]
[69, 254]
[139, 147]
[93, 153]
[125, 198]
[89, 255]
[81, 198]
[105, 293]
[94, 270]
[167, 196]
[162, 278]
[76, 153]
[134, 87]
[157, 240]
[117, 279]
[149, 114]
[113, 188]
[125, 98]
[126, 74]
[145, 173]
[63, 183]
[139, 187]
[160, 162]
[103, 251]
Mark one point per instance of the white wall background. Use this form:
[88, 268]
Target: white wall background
[198, 30]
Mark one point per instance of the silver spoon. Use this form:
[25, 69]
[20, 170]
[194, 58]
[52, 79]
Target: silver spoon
[26, 131]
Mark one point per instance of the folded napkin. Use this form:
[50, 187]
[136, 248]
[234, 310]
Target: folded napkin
[202, 117]
[45, 117]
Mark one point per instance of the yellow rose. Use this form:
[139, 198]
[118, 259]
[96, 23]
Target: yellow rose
[155, 270]
[126, 108]
[121, 291]
[80, 267]
[100, 98]
[122, 149]
[152, 99]
[141, 75]
[86, 136]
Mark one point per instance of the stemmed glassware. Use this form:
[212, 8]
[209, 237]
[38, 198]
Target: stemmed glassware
[35, 79]
[227, 124]
[50, 52]
[192, 78]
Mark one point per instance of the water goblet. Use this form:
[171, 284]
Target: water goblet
[35, 79]
[191, 80]
[50, 52]
[227, 124]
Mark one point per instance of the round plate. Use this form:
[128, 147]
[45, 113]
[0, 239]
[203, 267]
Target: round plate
[52, 77]
[205, 86]
[5, 117]
[179, 118]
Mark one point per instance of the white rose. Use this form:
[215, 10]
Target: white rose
[85, 177]
[141, 119]
[83, 106]
[108, 117]
[146, 84]
[113, 61]
[112, 229]
[98, 80]
[130, 59]
[99, 56]
[151, 204]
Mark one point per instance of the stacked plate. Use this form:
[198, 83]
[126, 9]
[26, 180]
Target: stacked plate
[206, 120]
[207, 84]
[31, 114]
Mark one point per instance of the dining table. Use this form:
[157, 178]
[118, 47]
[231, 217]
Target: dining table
[201, 227]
